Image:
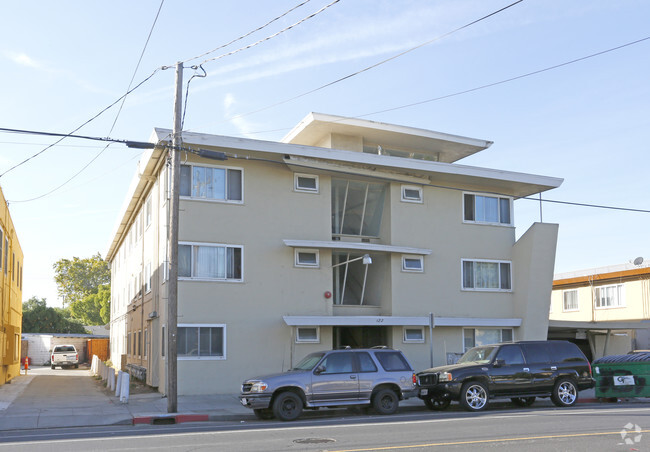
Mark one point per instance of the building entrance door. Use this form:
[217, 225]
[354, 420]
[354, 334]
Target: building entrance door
[360, 336]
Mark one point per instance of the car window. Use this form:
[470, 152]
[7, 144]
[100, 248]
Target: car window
[63, 348]
[536, 353]
[392, 361]
[366, 364]
[565, 352]
[481, 355]
[337, 363]
[511, 355]
[309, 361]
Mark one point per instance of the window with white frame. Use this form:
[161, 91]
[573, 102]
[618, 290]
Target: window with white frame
[411, 193]
[305, 182]
[147, 278]
[487, 209]
[201, 341]
[214, 183]
[306, 258]
[486, 275]
[610, 296]
[570, 300]
[308, 334]
[412, 263]
[473, 337]
[413, 334]
[147, 212]
[208, 261]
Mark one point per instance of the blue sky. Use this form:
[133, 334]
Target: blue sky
[586, 122]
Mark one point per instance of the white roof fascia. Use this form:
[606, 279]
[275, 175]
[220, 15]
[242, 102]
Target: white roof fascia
[382, 161]
[384, 127]
[338, 245]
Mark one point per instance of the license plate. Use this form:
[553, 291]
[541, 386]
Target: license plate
[424, 391]
[243, 401]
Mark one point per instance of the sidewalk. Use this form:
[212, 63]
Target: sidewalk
[37, 401]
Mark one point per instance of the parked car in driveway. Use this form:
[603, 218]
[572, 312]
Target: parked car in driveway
[380, 377]
[520, 371]
[64, 356]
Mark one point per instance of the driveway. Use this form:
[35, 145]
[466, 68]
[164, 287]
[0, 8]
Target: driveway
[59, 398]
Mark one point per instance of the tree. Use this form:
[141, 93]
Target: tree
[95, 308]
[78, 278]
[38, 318]
[84, 285]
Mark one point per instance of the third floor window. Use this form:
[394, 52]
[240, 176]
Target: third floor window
[202, 182]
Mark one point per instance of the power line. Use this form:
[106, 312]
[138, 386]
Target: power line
[274, 34]
[64, 136]
[128, 90]
[437, 38]
[247, 34]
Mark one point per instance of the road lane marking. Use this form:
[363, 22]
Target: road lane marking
[482, 441]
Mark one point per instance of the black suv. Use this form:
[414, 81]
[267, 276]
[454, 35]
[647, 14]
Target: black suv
[521, 371]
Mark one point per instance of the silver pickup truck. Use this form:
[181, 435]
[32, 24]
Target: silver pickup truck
[64, 356]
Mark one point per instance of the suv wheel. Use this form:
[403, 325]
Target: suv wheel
[385, 402]
[523, 401]
[474, 396]
[287, 406]
[565, 393]
[263, 413]
[437, 404]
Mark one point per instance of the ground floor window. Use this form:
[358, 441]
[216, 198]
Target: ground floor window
[414, 334]
[201, 341]
[473, 337]
[307, 334]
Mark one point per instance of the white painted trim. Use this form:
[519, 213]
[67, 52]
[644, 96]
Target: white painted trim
[470, 322]
[298, 188]
[338, 245]
[367, 320]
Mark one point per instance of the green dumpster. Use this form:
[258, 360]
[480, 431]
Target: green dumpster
[622, 376]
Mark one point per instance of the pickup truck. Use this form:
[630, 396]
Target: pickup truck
[64, 356]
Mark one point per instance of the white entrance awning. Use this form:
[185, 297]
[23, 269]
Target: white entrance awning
[355, 246]
[380, 320]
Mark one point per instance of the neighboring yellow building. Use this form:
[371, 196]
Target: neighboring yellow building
[607, 308]
[11, 295]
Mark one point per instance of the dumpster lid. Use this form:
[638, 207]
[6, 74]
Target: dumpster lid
[632, 357]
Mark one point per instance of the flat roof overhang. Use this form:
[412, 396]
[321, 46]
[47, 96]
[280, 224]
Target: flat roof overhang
[355, 246]
[563, 325]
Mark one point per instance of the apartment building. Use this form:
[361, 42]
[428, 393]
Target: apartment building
[606, 310]
[11, 296]
[346, 233]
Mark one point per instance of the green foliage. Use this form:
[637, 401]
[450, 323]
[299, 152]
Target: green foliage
[78, 278]
[94, 308]
[38, 318]
[84, 285]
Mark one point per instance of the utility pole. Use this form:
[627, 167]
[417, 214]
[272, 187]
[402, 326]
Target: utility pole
[172, 284]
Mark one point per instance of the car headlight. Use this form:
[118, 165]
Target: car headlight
[445, 376]
[259, 386]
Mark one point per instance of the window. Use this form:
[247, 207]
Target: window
[147, 278]
[511, 355]
[412, 263]
[486, 275]
[338, 363]
[139, 343]
[163, 341]
[487, 209]
[366, 364]
[392, 361]
[473, 337]
[411, 193]
[147, 211]
[201, 182]
[570, 300]
[6, 254]
[220, 262]
[1, 234]
[306, 258]
[413, 334]
[357, 208]
[145, 342]
[201, 341]
[307, 334]
[305, 182]
[610, 296]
